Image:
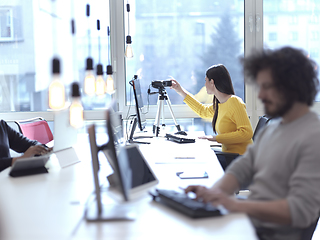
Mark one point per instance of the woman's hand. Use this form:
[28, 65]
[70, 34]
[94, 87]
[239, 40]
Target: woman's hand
[210, 138]
[34, 150]
[177, 87]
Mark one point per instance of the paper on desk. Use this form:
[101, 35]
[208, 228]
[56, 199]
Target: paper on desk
[180, 160]
[184, 155]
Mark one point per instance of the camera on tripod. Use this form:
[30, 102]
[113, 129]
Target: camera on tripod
[161, 83]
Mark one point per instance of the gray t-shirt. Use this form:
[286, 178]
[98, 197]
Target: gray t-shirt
[284, 163]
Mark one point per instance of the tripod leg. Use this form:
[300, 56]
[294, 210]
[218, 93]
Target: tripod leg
[170, 108]
[156, 119]
[162, 112]
[157, 127]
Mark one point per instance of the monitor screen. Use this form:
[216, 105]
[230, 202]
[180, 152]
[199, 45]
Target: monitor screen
[135, 83]
[143, 177]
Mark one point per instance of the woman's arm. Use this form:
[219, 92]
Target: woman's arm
[177, 87]
[204, 111]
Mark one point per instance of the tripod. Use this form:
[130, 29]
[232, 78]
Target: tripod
[163, 96]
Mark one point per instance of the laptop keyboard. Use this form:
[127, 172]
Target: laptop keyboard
[184, 204]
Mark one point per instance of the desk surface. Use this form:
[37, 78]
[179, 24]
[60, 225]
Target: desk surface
[51, 206]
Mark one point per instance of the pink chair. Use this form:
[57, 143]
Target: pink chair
[35, 129]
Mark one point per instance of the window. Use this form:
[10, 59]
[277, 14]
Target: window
[25, 59]
[314, 36]
[199, 29]
[186, 39]
[6, 24]
[272, 20]
[302, 34]
[177, 38]
[314, 19]
[293, 36]
[314, 53]
[273, 36]
[293, 20]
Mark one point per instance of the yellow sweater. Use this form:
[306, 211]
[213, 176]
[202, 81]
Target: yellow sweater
[234, 130]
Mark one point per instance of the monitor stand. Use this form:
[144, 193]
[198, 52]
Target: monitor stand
[110, 212]
[131, 139]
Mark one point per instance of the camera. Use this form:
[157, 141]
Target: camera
[161, 83]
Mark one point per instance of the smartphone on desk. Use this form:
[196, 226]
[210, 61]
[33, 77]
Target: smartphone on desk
[192, 174]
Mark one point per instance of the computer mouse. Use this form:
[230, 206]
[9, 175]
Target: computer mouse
[181, 133]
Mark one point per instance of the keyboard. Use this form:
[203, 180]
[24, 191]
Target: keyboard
[184, 204]
[177, 139]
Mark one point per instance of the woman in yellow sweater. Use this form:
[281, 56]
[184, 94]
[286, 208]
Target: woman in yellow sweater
[230, 120]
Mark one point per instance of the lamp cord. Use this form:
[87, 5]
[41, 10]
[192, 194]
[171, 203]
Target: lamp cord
[89, 32]
[128, 11]
[54, 26]
[108, 29]
[99, 45]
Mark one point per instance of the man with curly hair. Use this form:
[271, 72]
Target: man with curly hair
[282, 167]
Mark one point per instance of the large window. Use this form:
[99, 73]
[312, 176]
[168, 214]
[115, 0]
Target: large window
[32, 33]
[169, 38]
[182, 39]
[297, 25]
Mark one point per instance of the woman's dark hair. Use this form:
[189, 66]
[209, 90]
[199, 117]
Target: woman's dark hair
[293, 73]
[222, 81]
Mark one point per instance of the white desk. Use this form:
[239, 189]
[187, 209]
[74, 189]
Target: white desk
[51, 206]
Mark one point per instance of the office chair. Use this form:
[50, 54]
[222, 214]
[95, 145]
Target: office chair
[35, 129]
[263, 120]
[226, 158]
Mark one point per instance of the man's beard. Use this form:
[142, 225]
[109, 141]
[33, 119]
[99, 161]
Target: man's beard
[281, 109]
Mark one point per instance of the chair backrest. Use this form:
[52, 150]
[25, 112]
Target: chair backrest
[263, 120]
[35, 129]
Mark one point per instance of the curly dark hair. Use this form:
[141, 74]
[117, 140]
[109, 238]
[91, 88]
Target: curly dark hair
[293, 73]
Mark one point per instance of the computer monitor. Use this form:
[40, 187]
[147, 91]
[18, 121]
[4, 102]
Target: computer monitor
[119, 162]
[140, 174]
[132, 174]
[141, 121]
